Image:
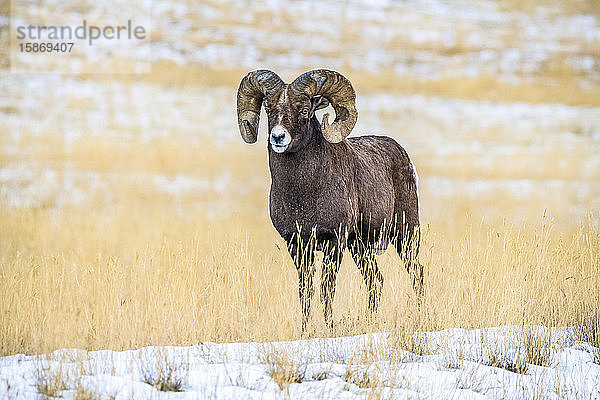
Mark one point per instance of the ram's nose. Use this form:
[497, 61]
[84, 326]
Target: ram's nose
[278, 136]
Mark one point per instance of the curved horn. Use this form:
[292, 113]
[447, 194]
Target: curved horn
[253, 88]
[340, 93]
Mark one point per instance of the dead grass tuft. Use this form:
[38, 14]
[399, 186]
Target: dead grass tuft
[82, 393]
[589, 331]
[283, 370]
[49, 381]
[501, 357]
[320, 376]
[361, 377]
[410, 336]
[538, 346]
[167, 375]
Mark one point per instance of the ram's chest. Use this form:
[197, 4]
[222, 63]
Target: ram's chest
[325, 207]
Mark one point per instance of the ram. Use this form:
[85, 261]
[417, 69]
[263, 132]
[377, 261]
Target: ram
[329, 193]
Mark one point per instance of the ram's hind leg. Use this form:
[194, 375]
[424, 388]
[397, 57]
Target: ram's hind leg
[364, 257]
[407, 235]
[407, 244]
[303, 254]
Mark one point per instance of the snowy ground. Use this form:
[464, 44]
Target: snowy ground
[432, 39]
[440, 133]
[451, 364]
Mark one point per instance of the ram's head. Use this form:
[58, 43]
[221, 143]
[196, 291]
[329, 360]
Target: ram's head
[290, 107]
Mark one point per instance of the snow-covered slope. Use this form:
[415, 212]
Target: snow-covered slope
[494, 363]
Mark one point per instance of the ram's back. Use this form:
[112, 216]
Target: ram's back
[382, 172]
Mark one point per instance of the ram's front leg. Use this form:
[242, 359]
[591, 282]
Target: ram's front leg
[331, 266]
[303, 254]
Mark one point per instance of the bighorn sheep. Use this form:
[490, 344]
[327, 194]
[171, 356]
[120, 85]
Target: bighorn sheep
[329, 193]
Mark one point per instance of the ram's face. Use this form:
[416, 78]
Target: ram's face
[289, 117]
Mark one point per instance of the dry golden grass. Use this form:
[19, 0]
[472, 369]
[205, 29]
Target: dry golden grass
[132, 265]
[140, 273]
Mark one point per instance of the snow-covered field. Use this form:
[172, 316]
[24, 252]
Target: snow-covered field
[494, 363]
[430, 40]
[548, 151]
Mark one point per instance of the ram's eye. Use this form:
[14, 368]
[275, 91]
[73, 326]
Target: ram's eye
[305, 111]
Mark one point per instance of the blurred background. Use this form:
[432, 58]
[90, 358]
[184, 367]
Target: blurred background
[498, 102]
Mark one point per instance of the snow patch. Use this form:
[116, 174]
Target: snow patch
[456, 366]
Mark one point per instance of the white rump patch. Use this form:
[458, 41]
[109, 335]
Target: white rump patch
[416, 177]
[414, 171]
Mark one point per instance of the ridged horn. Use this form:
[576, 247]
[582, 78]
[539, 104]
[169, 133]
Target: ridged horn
[340, 93]
[253, 89]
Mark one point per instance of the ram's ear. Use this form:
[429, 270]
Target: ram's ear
[318, 102]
